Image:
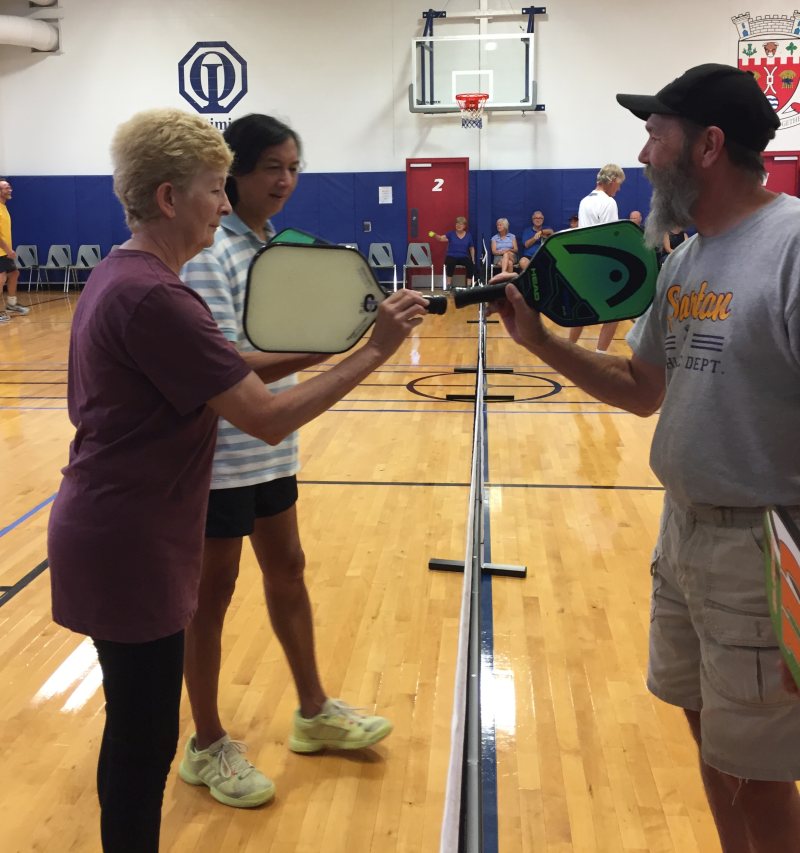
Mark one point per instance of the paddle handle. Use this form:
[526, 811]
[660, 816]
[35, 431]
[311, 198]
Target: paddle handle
[472, 295]
[437, 304]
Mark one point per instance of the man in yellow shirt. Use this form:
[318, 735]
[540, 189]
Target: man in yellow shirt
[8, 269]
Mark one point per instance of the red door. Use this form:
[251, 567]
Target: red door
[783, 171]
[437, 191]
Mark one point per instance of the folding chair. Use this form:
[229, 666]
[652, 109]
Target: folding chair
[28, 259]
[88, 258]
[380, 258]
[418, 257]
[59, 257]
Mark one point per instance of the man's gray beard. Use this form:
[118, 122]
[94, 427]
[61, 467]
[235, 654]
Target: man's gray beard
[674, 195]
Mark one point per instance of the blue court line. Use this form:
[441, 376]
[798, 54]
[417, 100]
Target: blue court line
[27, 515]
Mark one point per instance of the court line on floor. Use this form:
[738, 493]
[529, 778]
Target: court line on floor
[27, 515]
[341, 411]
[8, 592]
[411, 484]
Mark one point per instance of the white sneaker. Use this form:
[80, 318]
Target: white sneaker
[337, 726]
[18, 309]
[224, 770]
[4, 318]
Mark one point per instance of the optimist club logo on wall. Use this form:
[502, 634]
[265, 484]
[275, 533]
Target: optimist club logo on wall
[212, 77]
[768, 48]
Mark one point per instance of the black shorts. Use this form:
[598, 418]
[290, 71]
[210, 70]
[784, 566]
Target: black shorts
[232, 512]
[6, 264]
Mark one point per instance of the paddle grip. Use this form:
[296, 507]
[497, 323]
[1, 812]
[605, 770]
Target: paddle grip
[437, 304]
[463, 296]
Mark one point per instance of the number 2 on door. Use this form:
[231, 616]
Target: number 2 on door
[438, 183]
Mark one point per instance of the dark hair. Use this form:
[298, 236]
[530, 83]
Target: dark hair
[248, 137]
[744, 158]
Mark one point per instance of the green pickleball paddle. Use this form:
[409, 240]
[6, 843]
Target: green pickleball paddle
[583, 276]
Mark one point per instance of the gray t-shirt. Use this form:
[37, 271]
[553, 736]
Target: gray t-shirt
[725, 324]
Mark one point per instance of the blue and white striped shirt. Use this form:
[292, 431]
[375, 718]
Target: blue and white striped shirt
[219, 275]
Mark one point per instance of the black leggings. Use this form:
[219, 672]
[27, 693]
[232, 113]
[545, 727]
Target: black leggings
[142, 684]
[450, 263]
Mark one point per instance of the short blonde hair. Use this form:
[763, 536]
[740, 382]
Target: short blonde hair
[160, 146]
[461, 219]
[609, 173]
[504, 222]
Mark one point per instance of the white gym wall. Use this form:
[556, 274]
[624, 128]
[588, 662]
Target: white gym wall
[339, 73]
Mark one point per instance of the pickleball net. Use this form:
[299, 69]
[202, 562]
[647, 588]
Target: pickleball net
[463, 809]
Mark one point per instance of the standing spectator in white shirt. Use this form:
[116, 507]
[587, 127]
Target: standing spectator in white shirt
[595, 209]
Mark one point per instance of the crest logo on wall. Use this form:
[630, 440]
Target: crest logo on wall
[212, 77]
[768, 48]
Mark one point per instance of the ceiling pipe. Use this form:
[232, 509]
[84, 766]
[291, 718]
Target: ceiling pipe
[26, 32]
[43, 2]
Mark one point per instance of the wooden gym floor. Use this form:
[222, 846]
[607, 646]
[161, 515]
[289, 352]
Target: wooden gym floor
[587, 760]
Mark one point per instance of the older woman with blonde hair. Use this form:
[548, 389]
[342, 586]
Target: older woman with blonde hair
[149, 374]
[504, 247]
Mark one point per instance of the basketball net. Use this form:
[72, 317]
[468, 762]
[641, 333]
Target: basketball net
[471, 105]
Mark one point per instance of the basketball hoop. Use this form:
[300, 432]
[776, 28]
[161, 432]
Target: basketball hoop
[472, 104]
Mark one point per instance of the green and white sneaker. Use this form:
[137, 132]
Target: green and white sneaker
[229, 776]
[337, 726]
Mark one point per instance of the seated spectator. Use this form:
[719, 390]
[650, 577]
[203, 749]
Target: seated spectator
[573, 221]
[504, 247]
[635, 216]
[532, 238]
[460, 249]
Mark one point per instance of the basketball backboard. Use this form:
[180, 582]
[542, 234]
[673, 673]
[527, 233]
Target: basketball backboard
[499, 64]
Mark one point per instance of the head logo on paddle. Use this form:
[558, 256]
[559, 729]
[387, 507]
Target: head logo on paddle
[307, 295]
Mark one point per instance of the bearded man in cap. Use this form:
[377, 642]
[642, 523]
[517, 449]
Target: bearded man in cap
[719, 353]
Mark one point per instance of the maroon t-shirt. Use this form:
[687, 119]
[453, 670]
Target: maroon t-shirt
[126, 530]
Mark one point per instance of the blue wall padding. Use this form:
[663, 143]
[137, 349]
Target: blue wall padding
[77, 209]
[66, 209]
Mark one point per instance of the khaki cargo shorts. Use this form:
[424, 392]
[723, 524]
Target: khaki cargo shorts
[712, 647]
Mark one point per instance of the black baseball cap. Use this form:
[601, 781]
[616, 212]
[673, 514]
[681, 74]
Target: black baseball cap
[713, 94]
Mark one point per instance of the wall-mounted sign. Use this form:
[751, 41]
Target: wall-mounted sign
[212, 77]
[767, 47]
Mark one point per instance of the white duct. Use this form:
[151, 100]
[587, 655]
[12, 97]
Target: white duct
[26, 32]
